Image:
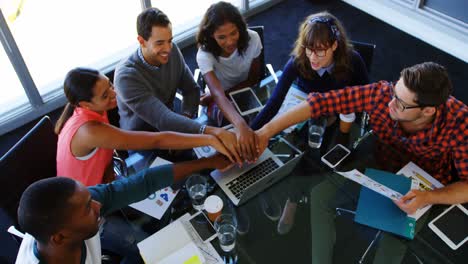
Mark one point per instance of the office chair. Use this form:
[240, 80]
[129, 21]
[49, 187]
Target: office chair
[31, 159]
[366, 50]
[119, 156]
[265, 67]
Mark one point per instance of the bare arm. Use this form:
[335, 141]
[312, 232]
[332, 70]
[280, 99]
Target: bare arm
[184, 169]
[217, 92]
[451, 194]
[246, 138]
[297, 114]
[228, 139]
[99, 135]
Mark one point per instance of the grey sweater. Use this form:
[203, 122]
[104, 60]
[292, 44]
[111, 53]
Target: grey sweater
[145, 94]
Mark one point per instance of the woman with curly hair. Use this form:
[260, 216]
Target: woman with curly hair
[228, 57]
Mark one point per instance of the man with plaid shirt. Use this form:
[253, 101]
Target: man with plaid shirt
[416, 115]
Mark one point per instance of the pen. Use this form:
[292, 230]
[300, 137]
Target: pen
[359, 140]
[207, 253]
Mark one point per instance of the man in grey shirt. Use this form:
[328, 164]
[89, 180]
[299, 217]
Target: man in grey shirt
[148, 80]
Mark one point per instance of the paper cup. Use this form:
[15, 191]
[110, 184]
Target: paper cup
[213, 206]
[345, 127]
[346, 122]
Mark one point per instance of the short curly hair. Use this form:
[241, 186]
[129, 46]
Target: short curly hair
[43, 207]
[217, 15]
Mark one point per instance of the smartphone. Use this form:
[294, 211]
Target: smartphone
[451, 226]
[336, 155]
[203, 227]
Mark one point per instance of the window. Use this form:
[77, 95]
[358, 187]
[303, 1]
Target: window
[453, 8]
[440, 23]
[190, 15]
[13, 94]
[55, 36]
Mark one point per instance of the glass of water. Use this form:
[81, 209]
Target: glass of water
[316, 130]
[197, 186]
[226, 226]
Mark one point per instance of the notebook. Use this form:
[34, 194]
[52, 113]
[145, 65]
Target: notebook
[178, 243]
[172, 244]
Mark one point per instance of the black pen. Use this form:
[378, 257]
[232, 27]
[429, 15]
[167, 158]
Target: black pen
[359, 140]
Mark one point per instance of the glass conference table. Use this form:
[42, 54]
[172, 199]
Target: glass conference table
[323, 230]
[320, 232]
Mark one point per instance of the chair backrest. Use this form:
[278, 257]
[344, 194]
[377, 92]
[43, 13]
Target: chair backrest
[29, 160]
[366, 50]
[259, 30]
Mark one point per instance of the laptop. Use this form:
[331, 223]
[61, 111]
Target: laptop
[241, 184]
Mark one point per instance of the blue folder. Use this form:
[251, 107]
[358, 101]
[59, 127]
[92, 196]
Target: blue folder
[378, 211]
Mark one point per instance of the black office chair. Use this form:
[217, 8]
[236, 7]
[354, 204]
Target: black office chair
[259, 30]
[31, 159]
[366, 50]
[119, 156]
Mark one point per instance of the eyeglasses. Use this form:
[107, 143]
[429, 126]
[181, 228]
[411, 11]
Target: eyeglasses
[400, 105]
[318, 52]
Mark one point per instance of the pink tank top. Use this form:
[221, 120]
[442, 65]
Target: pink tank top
[90, 171]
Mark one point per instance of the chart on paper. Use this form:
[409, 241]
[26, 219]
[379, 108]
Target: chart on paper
[362, 179]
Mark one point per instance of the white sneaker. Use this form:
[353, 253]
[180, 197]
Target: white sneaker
[286, 221]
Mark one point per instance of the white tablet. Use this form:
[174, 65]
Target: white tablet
[451, 226]
[246, 101]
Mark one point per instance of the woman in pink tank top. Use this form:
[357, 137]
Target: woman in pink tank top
[87, 140]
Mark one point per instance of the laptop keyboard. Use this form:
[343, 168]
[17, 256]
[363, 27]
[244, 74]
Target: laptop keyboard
[238, 185]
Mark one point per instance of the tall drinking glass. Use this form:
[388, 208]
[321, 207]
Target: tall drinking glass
[226, 226]
[196, 186]
[316, 130]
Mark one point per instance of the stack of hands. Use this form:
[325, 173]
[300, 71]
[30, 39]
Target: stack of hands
[243, 145]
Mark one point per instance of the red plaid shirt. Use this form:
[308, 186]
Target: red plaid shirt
[433, 148]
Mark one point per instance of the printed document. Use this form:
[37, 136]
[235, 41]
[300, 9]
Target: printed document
[421, 180]
[157, 203]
